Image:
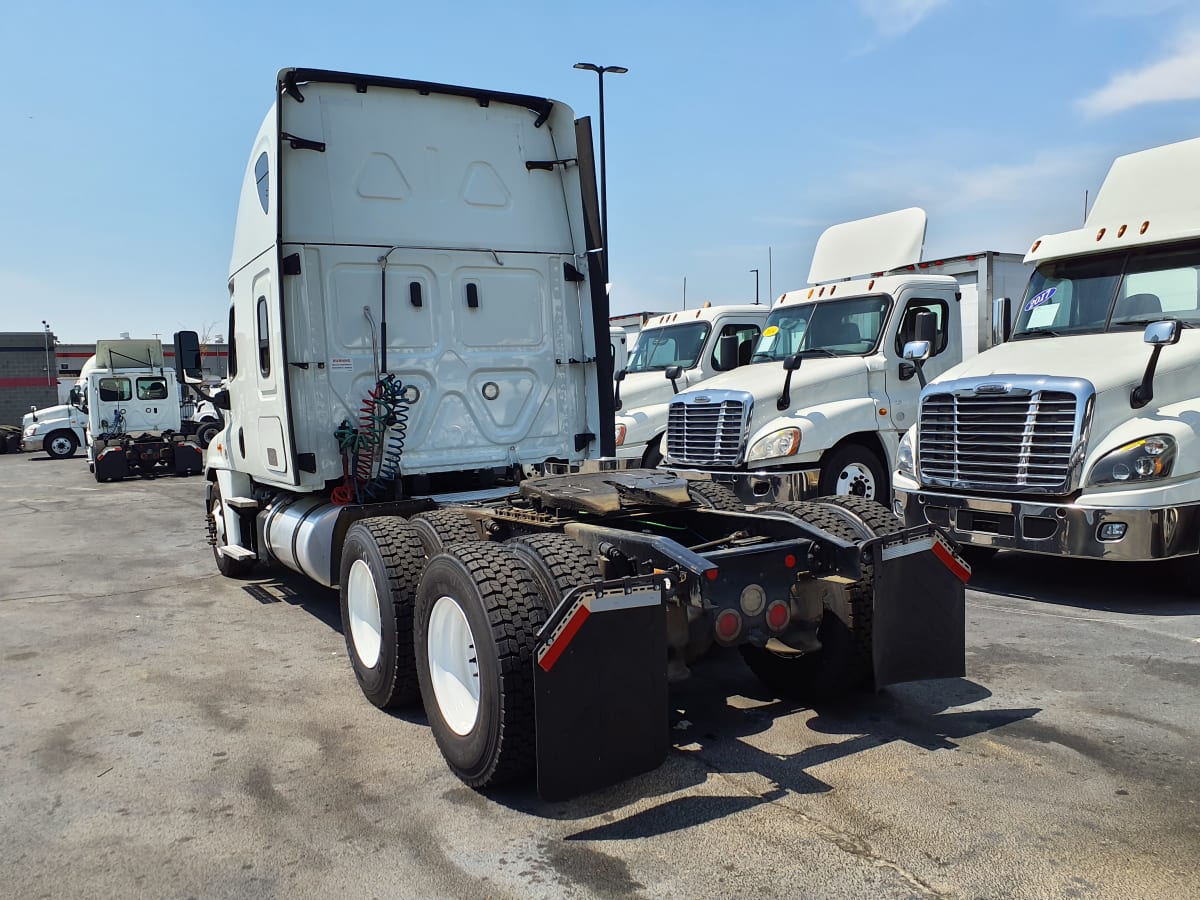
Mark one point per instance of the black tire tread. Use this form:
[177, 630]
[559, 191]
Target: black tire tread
[564, 563]
[510, 596]
[879, 519]
[715, 496]
[404, 559]
[70, 435]
[440, 529]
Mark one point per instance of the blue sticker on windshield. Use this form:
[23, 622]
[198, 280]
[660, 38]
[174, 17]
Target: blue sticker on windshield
[1038, 299]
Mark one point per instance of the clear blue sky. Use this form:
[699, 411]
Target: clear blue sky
[738, 128]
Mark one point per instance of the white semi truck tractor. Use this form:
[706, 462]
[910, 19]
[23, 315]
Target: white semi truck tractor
[134, 423]
[418, 313]
[822, 406]
[676, 351]
[1080, 435]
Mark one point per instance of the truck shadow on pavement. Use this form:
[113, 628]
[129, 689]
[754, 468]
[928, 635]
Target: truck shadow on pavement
[723, 704]
[711, 714]
[1132, 588]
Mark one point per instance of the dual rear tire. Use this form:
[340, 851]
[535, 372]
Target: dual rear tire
[430, 611]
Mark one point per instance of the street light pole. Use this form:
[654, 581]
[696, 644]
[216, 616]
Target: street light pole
[46, 341]
[755, 271]
[600, 70]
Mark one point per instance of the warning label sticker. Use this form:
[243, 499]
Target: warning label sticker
[343, 363]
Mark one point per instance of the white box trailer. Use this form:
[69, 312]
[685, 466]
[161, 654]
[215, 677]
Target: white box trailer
[417, 312]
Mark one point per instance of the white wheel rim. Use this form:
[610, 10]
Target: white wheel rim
[856, 479]
[362, 599]
[218, 522]
[453, 665]
[60, 445]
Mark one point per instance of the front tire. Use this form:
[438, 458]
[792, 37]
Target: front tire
[61, 444]
[206, 432]
[854, 470]
[226, 565]
[478, 611]
[382, 559]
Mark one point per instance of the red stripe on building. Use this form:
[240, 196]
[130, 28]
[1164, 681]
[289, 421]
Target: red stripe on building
[26, 382]
[555, 650]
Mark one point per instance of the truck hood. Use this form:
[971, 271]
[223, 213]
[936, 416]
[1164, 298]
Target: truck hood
[48, 414]
[818, 379]
[1106, 360]
[644, 388]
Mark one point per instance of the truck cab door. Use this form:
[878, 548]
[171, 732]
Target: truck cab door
[713, 360]
[901, 383]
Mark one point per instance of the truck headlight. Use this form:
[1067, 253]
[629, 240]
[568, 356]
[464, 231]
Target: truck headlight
[620, 434]
[31, 431]
[1141, 460]
[784, 442]
[906, 457]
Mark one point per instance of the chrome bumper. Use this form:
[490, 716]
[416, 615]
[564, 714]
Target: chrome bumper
[31, 443]
[1058, 529]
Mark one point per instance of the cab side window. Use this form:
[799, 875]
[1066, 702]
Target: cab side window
[908, 325]
[115, 390]
[151, 389]
[747, 337]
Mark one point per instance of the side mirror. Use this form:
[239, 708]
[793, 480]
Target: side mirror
[790, 365]
[727, 352]
[1161, 334]
[221, 399]
[925, 327]
[1001, 320]
[1157, 335]
[618, 377]
[673, 374]
[73, 396]
[187, 358]
[33, 412]
[917, 350]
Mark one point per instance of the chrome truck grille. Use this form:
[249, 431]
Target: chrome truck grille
[708, 428]
[1003, 435]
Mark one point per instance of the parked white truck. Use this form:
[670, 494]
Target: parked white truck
[59, 430]
[416, 309]
[134, 426]
[676, 351]
[1080, 435]
[828, 394]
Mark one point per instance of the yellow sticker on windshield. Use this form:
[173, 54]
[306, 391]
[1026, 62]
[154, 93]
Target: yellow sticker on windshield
[771, 331]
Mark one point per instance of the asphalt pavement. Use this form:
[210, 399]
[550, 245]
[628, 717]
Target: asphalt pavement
[166, 732]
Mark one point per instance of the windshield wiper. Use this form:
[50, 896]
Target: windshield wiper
[824, 350]
[1039, 330]
[1150, 320]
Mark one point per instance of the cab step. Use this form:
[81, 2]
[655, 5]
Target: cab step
[242, 502]
[238, 553]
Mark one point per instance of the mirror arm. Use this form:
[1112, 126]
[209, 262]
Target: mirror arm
[1144, 392]
[785, 398]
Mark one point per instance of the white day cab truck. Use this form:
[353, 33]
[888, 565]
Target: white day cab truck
[1080, 435]
[62, 430]
[59, 430]
[417, 302]
[828, 393]
[134, 426]
[675, 351]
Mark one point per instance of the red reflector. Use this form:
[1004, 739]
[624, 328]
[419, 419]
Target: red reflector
[924, 265]
[790, 561]
[711, 574]
[729, 624]
[778, 615]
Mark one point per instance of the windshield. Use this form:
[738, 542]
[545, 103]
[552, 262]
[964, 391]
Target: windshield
[1112, 292]
[847, 327]
[673, 345]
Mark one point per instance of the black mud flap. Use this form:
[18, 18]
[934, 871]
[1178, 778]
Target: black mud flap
[920, 626]
[600, 690]
[111, 463]
[189, 458]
